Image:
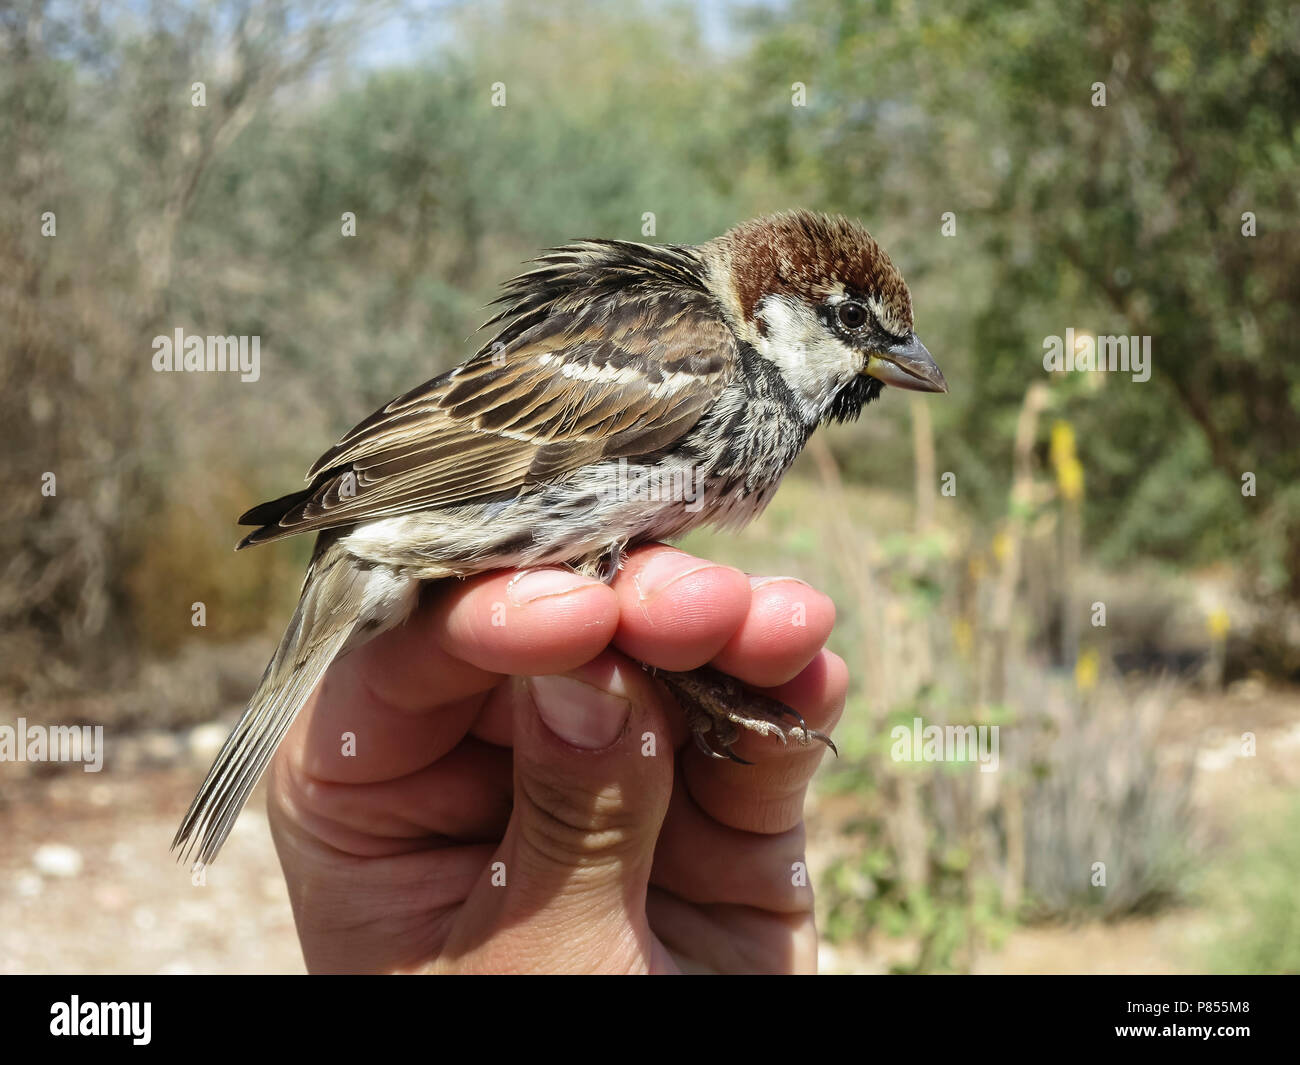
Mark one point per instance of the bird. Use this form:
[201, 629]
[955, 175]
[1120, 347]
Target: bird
[630, 392]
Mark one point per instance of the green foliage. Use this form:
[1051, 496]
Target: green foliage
[949, 916]
[1254, 894]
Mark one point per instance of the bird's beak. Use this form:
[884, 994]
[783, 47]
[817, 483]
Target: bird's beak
[906, 365]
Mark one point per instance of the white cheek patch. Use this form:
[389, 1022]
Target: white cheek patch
[811, 358]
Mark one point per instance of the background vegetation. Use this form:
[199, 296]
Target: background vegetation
[971, 604]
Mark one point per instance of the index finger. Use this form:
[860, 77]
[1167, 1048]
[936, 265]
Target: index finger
[456, 646]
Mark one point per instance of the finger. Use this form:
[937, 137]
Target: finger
[733, 939]
[593, 775]
[527, 623]
[677, 611]
[462, 798]
[787, 624]
[369, 719]
[768, 795]
[536, 622]
[705, 862]
[348, 734]
[467, 633]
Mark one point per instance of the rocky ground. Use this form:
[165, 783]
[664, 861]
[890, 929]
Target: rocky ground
[88, 885]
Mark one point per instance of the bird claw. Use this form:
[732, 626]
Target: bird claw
[603, 565]
[723, 755]
[718, 707]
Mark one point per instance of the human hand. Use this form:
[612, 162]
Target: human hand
[520, 795]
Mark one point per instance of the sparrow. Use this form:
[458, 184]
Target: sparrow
[616, 369]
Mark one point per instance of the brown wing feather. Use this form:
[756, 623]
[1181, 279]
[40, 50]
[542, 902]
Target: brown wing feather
[573, 378]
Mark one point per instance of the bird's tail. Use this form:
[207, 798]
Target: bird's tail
[335, 606]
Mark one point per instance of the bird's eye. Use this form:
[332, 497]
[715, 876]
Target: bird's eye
[852, 315]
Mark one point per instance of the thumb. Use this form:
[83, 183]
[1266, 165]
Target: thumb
[593, 768]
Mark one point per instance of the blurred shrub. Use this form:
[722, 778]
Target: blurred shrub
[190, 561]
[1107, 804]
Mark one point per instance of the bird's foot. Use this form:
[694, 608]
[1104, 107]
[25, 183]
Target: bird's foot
[718, 707]
[602, 565]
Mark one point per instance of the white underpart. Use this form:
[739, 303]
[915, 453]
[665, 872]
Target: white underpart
[622, 502]
[387, 601]
[813, 361]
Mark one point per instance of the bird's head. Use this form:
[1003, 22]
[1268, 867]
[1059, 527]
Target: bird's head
[819, 298]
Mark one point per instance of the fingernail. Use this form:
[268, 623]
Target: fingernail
[534, 584]
[758, 582]
[585, 716]
[665, 570]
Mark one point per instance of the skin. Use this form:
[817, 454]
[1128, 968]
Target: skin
[504, 723]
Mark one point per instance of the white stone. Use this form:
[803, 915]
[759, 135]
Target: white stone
[57, 859]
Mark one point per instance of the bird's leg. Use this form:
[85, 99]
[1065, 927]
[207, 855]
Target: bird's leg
[610, 563]
[717, 706]
[603, 565]
[720, 705]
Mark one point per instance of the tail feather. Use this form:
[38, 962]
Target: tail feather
[332, 608]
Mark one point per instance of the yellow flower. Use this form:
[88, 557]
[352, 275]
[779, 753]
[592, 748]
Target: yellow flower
[1218, 623]
[1086, 668]
[1069, 471]
[1001, 546]
[1062, 442]
[963, 636]
[1069, 478]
